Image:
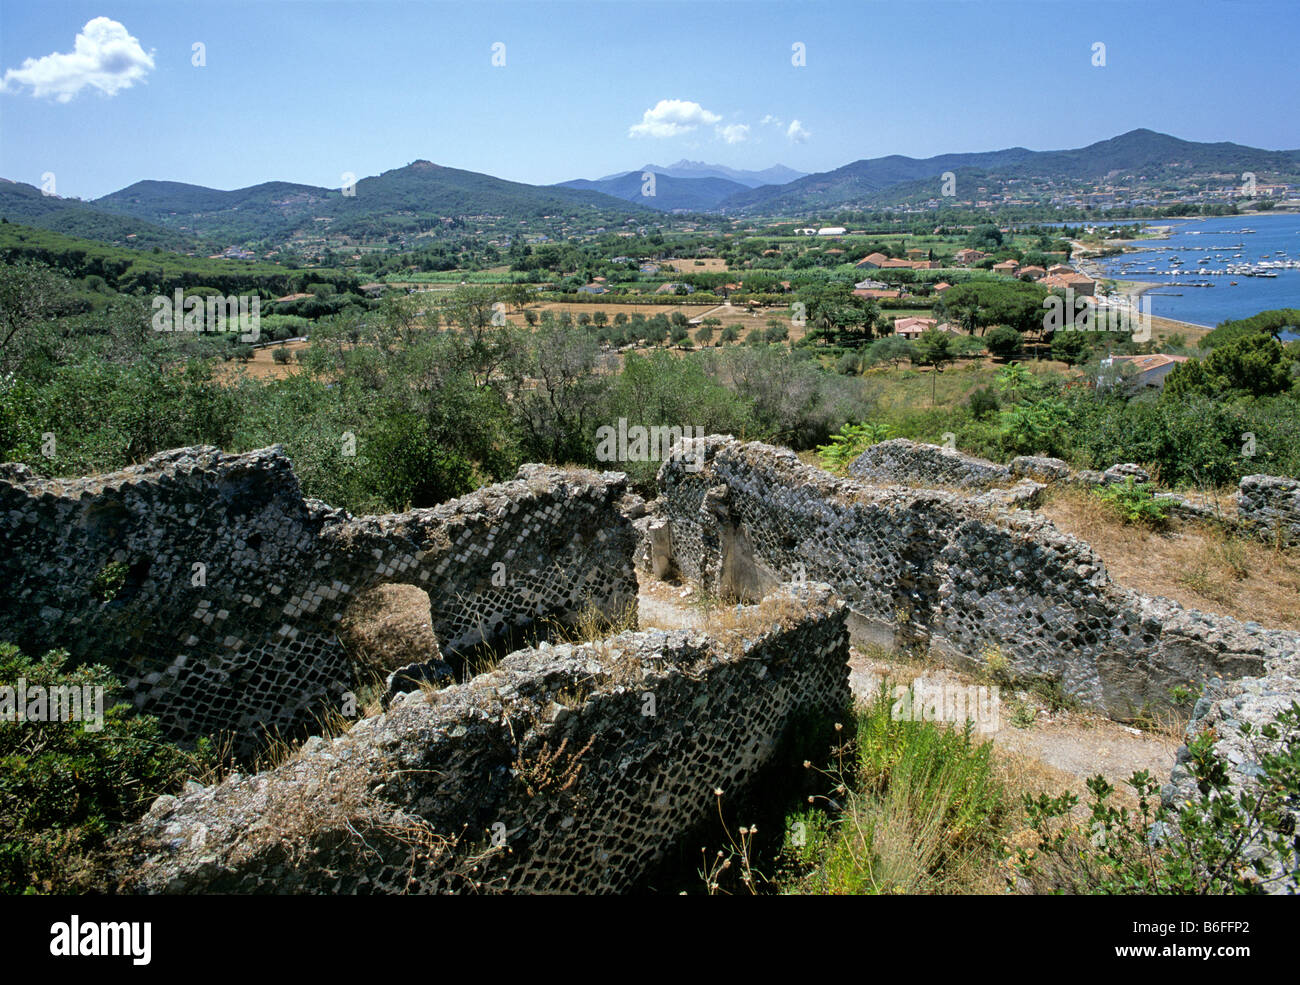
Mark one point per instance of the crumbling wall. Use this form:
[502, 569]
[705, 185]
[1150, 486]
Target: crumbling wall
[1224, 708]
[234, 583]
[960, 576]
[1270, 506]
[570, 768]
[909, 462]
[1266, 506]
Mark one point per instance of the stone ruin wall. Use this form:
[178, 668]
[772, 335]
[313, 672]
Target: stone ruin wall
[253, 648]
[1271, 506]
[670, 718]
[429, 781]
[954, 574]
[903, 461]
[1266, 506]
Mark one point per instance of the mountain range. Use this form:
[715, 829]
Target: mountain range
[423, 196]
[777, 174]
[687, 186]
[1133, 154]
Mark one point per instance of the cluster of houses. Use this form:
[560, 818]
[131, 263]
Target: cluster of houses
[1058, 275]
[914, 261]
[233, 253]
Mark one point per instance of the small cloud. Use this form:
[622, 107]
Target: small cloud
[672, 117]
[734, 133]
[104, 57]
[797, 133]
[770, 121]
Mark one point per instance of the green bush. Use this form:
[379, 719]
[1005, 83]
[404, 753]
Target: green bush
[851, 441]
[1135, 502]
[1222, 841]
[983, 402]
[1004, 341]
[65, 789]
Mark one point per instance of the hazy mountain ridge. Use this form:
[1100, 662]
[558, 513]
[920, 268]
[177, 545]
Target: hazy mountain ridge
[694, 194]
[777, 174]
[422, 196]
[863, 182]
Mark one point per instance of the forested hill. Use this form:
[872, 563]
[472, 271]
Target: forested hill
[410, 199]
[1140, 155]
[135, 271]
[26, 204]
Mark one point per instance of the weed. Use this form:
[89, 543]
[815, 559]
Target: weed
[1135, 503]
[1022, 715]
[551, 773]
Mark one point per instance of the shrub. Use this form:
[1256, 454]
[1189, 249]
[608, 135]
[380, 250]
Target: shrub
[1135, 502]
[849, 443]
[1004, 341]
[983, 402]
[1221, 841]
[64, 790]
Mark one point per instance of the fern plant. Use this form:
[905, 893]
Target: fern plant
[851, 441]
[1135, 502]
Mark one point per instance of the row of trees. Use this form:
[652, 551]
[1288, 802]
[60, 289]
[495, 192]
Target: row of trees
[439, 399]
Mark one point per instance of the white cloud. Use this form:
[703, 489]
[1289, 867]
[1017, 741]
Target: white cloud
[734, 133]
[672, 117]
[104, 57]
[770, 120]
[797, 133]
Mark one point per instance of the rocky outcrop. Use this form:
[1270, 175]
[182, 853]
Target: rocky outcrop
[1270, 507]
[1224, 708]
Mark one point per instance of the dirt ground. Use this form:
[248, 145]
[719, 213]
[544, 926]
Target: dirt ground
[707, 265]
[1045, 749]
[263, 364]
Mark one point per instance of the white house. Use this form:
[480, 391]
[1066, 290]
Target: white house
[1149, 370]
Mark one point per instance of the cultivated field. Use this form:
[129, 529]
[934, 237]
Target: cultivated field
[708, 265]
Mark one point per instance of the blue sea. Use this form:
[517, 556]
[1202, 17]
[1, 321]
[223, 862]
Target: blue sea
[1275, 237]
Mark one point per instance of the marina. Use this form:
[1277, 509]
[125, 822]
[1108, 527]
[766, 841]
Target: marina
[1213, 253]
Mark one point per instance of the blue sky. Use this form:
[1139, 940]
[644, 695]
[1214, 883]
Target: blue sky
[304, 91]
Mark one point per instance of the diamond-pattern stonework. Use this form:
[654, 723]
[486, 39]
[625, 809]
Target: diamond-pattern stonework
[961, 575]
[367, 811]
[246, 641]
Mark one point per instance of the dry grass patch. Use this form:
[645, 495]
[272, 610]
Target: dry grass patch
[387, 627]
[1197, 564]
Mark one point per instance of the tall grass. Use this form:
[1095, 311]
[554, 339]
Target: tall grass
[916, 808]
